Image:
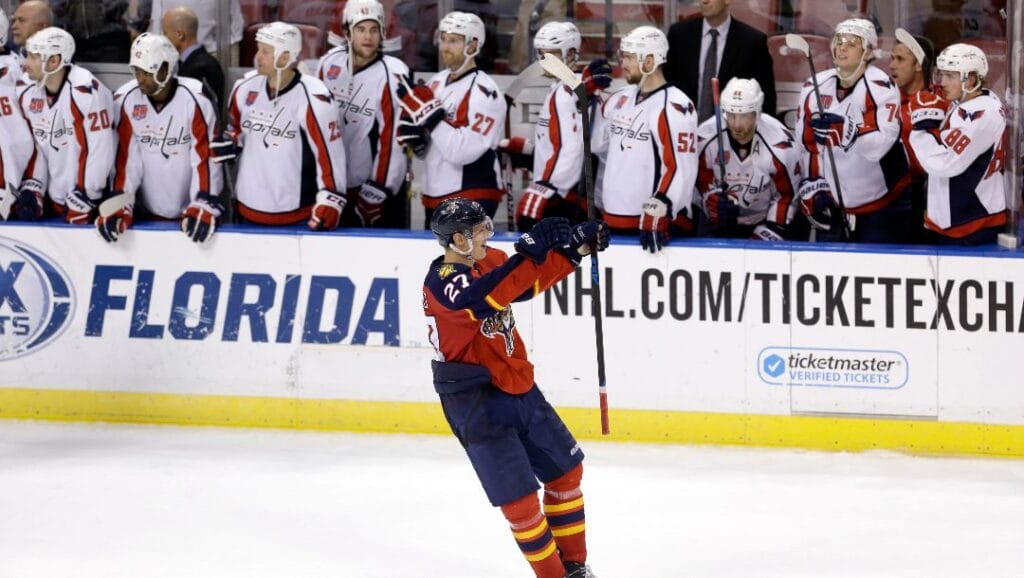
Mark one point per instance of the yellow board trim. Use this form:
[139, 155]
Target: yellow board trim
[836, 433]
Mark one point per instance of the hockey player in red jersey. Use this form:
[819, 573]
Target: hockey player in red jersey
[558, 148]
[512, 436]
[364, 84]
[165, 125]
[963, 151]
[71, 115]
[860, 122]
[649, 133]
[761, 161]
[456, 120]
[911, 69]
[284, 128]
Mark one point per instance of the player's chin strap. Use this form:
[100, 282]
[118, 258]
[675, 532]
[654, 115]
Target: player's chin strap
[963, 84]
[856, 72]
[468, 252]
[466, 59]
[47, 75]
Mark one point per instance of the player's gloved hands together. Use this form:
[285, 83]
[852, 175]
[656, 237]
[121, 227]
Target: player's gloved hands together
[586, 237]
[327, 211]
[927, 110]
[532, 204]
[657, 213]
[28, 202]
[597, 76]
[833, 130]
[768, 231]
[544, 236]
[199, 220]
[370, 204]
[224, 151]
[413, 136]
[817, 204]
[78, 207]
[115, 217]
[721, 209]
[420, 104]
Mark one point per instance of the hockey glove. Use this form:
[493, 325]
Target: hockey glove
[585, 237]
[768, 231]
[419, 103]
[833, 130]
[78, 207]
[532, 204]
[199, 220]
[28, 204]
[115, 217]
[597, 76]
[544, 236]
[927, 110]
[816, 203]
[327, 211]
[370, 204]
[224, 151]
[722, 210]
[413, 136]
[654, 223]
[516, 145]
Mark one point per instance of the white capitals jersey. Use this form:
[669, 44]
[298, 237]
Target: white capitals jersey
[965, 163]
[163, 152]
[873, 169]
[368, 107]
[764, 183]
[74, 132]
[651, 146]
[22, 158]
[10, 69]
[462, 156]
[558, 141]
[292, 148]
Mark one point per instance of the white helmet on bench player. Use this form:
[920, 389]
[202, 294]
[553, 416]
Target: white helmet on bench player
[644, 41]
[149, 54]
[562, 36]
[283, 37]
[49, 42]
[742, 95]
[965, 59]
[357, 11]
[467, 25]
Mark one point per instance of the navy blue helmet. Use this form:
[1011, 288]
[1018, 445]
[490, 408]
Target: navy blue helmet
[456, 216]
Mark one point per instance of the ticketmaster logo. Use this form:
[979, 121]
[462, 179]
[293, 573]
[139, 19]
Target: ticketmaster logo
[818, 367]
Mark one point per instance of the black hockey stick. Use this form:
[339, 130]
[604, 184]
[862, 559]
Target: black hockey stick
[716, 99]
[555, 67]
[799, 44]
[511, 94]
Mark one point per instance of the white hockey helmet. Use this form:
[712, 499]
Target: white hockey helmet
[49, 42]
[965, 59]
[465, 24]
[5, 26]
[283, 37]
[150, 52]
[742, 95]
[357, 11]
[860, 28]
[643, 41]
[561, 36]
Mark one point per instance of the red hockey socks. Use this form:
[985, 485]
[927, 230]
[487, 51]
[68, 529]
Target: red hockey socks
[530, 528]
[563, 505]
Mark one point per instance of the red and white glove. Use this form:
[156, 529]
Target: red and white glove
[78, 207]
[927, 110]
[532, 204]
[654, 223]
[516, 145]
[115, 217]
[597, 76]
[326, 211]
[420, 105]
[370, 204]
[199, 219]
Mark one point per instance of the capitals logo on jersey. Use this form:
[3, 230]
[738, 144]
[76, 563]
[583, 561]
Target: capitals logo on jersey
[139, 111]
[503, 324]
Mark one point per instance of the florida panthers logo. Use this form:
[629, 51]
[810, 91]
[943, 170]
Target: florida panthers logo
[502, 323]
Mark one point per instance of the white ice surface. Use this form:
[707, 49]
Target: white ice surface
[151, 501]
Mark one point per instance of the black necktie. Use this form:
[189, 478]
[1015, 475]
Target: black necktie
[707, 106]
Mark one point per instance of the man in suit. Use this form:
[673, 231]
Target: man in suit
[740, 51]
[181, 26]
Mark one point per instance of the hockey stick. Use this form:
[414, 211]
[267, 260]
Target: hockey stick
[555, 67]
[798, 43]
[511, 94]
[716, 99]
